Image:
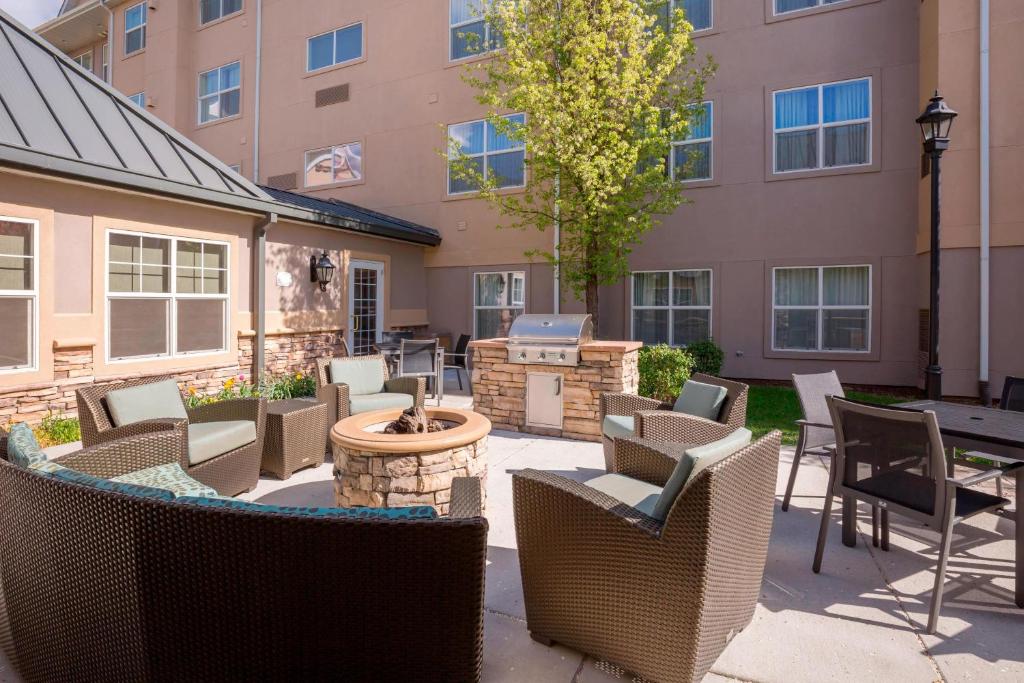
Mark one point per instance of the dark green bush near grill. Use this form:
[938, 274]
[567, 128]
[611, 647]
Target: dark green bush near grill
[707, 357]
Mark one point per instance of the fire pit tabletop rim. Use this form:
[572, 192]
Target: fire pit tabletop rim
[351, 432]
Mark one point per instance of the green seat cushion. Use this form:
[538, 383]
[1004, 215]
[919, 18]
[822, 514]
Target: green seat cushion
[694, 461]
[207, 440]
[384, 401]
[617, 426]
[633, 492]
[146, 402]
[74, 477]
[701, 400]
[169, 477]
[419, 512]
[22, 447]
[361, 376]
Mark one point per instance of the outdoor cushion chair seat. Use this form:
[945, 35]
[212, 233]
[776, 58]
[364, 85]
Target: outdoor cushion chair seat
[361, 376]
[381, 401]
[207, 440]
[151, 401]
[635, 493]
[169, 477]
[618, 426]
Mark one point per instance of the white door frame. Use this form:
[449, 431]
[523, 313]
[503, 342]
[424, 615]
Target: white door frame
[352, 322]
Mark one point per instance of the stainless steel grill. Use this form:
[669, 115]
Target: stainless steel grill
[540, 339]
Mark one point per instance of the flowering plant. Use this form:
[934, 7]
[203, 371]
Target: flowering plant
[292, 385]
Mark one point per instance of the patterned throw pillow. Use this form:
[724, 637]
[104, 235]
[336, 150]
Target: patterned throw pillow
[421, 512]
[22, 448]
[169, 477]
[75, 477]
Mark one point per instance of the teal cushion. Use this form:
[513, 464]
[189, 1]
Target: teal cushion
[617, 426]
[701, 400]
[207, 440]
[169, 477]
[367, 402]
[694, 461]
[22, 448]
[46, 467]
[146, 402]
[361, 376]
[632, 492]
[74, 477]
[421, 512]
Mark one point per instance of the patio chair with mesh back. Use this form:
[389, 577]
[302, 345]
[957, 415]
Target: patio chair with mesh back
[457, 360]
[816, 430]
[418, 358]
[359, 384]
[894, 459]
[1012, 399]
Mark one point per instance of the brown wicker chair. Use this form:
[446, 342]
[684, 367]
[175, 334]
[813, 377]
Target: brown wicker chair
[655, 420]
[232, 473]
[336, 396]
[101, 586]
[661, 600]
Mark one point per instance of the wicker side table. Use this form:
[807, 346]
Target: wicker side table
[296, 436]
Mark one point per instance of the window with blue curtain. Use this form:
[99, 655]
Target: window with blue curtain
[334, 47]
[823, 126]
[470, 34]
[699, 13]
[490, 152]
[691, 157]
[784, 6]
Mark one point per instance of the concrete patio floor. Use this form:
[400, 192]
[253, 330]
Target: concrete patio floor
[861, 619]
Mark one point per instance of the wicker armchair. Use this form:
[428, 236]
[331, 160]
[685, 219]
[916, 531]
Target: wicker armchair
[661, 600]
[336, 395]
[231, 473]
[655, 420]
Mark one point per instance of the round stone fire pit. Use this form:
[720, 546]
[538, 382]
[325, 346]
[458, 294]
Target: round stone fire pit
[373, 469]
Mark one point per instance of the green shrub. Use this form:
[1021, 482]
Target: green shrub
[663, 370]
[707, 357]
[58, 429]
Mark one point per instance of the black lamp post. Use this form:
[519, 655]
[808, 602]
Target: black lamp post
[321, 271]
[935, 122]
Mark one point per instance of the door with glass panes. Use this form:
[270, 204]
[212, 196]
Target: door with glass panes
[365, 306]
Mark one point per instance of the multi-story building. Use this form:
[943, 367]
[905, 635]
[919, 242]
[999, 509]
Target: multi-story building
[805, 245]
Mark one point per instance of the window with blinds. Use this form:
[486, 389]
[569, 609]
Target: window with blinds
[19, 294]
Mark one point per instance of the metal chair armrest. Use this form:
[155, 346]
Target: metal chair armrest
[808, 423]
[467, 498]
[975, 479]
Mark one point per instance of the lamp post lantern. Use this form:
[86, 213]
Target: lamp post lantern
[321, 271]
[935, 122]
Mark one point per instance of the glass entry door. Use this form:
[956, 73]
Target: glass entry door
[365, 305]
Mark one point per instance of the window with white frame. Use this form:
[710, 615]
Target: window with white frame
[84, 60]
[166, 296]
[672, 307]
[498, 299]
[237, 168]
[489, 152]
[822, 126]
[212, 10]
[135, 28]
[700, 13]
[220, 92]
[105, 53]
[691, 157]
[139, 99]
[469, 32]
[825, 308]
[784, 6]
[337, 164]
[19, 293]
[334, 47]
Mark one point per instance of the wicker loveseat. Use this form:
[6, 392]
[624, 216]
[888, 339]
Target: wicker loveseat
[101, 586]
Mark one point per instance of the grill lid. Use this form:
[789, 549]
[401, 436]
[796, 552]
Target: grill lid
[552, 329]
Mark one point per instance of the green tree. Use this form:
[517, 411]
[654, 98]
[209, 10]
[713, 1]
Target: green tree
[605, 86]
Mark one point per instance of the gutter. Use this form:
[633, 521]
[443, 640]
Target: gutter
[110, 43]
[256, 93]
[259, 283]
[985, 201]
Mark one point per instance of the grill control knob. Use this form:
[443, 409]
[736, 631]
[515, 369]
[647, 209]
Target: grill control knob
[522, 355]
[542, 355]
[561, 356]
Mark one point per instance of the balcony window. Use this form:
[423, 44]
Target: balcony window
[84, 60]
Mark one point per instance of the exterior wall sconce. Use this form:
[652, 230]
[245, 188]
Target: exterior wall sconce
[321, 270]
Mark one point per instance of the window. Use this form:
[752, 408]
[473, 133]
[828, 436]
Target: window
[672, 307]
[783, 6]
[470, 34]
[135, 28]
[84, 60]
[212, 10]
[339, 164]
[823, 126]
[698, 12]
[822, 309]
[498, 299]
[19, 294]
[165, 296]
[334, 47]
[139, 99]
[237, 168]
[106, 62]
[691, 158]
[489, 152]
[220, 93]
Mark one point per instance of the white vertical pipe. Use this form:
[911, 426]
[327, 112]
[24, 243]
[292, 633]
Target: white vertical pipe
[985, 201]
[256, 93]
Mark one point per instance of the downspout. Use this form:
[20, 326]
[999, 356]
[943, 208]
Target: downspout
[985, 202]
[110, 42]
[256, 93]
[259, 299]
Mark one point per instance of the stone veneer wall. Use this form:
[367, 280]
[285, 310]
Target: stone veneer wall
[499, 387]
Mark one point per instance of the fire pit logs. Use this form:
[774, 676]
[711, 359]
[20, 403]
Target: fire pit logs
[414, 421]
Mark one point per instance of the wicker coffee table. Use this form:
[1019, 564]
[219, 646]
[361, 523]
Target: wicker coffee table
[296, 436]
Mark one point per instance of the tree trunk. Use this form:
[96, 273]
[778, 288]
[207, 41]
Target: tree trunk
[592, 304]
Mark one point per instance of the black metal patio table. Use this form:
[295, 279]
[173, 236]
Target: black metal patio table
[998, 432]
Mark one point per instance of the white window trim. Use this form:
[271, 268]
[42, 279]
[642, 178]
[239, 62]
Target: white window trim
[105, 56]
[467, 22]
[305, 165]
[821, 126]
[520, 147]
[139, 99]
[220, 15]
[711, 13]
[171, 297]
[141, 27]
[816, 5]
[512, 306]
[821, 308]
[670, 307]
[32, 294]
[334, 48]
[79, 59]
[693, 141]
[218, 93]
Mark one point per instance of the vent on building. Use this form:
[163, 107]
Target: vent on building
[329, 96]
[285, 181]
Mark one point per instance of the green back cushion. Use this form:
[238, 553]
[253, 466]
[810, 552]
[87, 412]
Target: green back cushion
[169, 477]
[146, 402]
[694, 461]
[701, 400]
[361, 376]
[22, 448]
[421, 512]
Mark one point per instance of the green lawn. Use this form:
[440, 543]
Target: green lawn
[774, 407]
